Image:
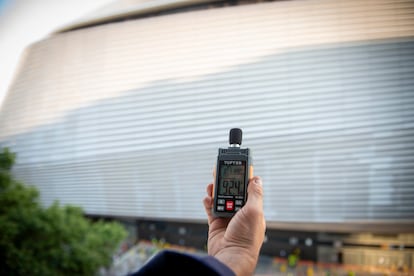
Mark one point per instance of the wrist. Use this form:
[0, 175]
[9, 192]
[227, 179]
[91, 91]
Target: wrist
[241, 261]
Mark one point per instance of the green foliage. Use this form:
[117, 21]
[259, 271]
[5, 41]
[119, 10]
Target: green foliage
[49, 241]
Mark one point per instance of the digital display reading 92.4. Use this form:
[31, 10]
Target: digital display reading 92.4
[232, 175]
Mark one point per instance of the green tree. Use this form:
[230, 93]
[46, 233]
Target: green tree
[49, 241]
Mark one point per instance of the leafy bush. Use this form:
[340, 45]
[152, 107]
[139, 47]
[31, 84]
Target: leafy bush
[49, 241]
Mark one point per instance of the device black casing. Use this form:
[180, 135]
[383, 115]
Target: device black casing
[231, 154]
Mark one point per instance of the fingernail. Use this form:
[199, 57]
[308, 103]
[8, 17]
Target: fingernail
[257, 181]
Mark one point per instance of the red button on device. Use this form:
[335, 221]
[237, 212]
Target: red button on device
[229, 205]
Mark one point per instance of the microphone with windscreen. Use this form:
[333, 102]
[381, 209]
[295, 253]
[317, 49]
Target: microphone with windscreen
[235, 136]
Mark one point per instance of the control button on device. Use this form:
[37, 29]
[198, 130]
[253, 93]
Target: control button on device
[237, 208]
[229, 205]
[239, 202]
[220, 208]
[220, 201]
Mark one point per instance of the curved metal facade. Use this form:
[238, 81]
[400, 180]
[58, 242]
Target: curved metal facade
[125, 118]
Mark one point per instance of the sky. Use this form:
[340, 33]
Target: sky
[23, 22]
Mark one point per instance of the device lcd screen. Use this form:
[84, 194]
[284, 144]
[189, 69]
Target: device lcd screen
[232, 176]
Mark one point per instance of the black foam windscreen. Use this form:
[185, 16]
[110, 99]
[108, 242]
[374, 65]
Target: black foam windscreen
[235, 136]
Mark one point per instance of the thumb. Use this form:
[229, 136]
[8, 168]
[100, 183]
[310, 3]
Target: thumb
[255, 193]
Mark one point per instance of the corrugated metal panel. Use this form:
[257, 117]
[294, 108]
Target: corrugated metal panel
[126, 118]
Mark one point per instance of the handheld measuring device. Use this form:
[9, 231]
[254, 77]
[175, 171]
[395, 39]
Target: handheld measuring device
[233, 170]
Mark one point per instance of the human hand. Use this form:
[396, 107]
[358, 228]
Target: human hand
[236, 241]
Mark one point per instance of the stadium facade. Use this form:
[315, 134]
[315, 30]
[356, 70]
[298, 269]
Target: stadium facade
[122, 112]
